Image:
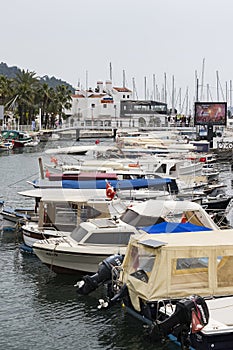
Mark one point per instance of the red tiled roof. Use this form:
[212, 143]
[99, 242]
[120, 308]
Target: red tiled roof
[96, 95]
[78, 96]
[122, 89]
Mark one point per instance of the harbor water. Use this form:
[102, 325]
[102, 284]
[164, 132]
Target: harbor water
[40, 310]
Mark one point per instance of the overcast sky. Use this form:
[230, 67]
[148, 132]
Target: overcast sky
[68, 38]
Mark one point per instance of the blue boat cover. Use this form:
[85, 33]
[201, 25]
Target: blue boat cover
[172, 227]
[117, 184]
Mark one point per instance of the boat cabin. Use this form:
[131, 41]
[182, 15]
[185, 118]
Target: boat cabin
[153, 212]
[177, 265]
[64, 209]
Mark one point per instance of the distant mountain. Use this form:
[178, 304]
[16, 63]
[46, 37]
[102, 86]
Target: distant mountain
[11, 72]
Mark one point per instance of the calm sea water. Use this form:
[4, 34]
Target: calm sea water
[41, 310]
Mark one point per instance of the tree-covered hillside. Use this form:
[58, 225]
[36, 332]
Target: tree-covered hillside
[11, 72]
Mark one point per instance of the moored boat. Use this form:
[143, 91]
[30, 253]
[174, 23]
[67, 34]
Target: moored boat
[61, 210]
[179, 284]
[81, 251]
[18, 138]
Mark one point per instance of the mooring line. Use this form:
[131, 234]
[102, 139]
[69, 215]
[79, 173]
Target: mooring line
[24, 179]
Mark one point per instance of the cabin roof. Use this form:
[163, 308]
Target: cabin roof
[189, 240]
[151, 207]
[65, 195]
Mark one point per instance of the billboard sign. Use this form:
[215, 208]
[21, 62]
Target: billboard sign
[211, 113]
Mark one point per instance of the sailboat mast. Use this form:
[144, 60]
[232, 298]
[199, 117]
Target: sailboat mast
[123, 78]
[226, 92]
[173, 95]
[145, 87]
[202, 79]
[231, 93]
[154, 87]
[110, 71]
[196, 86]
[217, 85]
[165, 87]
[134, 90]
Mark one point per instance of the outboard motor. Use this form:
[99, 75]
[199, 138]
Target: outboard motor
[104, 274]
[190, 316]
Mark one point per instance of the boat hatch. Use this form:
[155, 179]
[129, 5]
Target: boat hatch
[152, 243]
[102, 223]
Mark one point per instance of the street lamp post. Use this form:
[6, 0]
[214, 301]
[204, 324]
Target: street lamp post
[115, 111]
[92, 114]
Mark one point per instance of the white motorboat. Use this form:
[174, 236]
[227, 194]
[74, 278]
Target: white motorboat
[172, 167]
[155, 143]
[96, 239]
[85, 247]
[61, 210]
[75, 150]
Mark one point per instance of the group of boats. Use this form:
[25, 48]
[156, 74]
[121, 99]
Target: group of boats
[153, 230]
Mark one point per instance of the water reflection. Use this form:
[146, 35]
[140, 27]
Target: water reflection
[54, 300]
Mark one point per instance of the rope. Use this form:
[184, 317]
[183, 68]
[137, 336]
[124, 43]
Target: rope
[24, 179]
[53, 255]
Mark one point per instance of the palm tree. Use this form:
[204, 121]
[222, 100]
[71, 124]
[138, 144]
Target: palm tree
[44, 97]
[6, 90]
[60, 98]
[63, 96]
[26, 85]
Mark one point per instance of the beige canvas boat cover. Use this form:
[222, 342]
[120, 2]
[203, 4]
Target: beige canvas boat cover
[179, 265]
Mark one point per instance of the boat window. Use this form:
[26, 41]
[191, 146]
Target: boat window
[78, 233]
[141, 259]
[112, 238]
[87, 212]
[224, 271]
[189, 272]
[136, 220]
[161, 169]
[66, 214]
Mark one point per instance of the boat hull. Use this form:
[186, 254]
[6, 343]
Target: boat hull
[214, 339]
[217, 341]
[70, 262]
[32, 235]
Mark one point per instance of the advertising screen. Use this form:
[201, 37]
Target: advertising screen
[214, 113]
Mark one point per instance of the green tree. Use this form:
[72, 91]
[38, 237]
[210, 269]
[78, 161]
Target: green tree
[6, 90]
[45, 96]
[63, 97]
[26, 86]
[60, 100]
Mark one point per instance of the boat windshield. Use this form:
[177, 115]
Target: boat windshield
[110, 238]
[78, 233]
[10, 134]
[140, 263]
[137, 220]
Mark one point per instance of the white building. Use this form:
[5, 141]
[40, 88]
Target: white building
[111, 106]
[99, 106]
